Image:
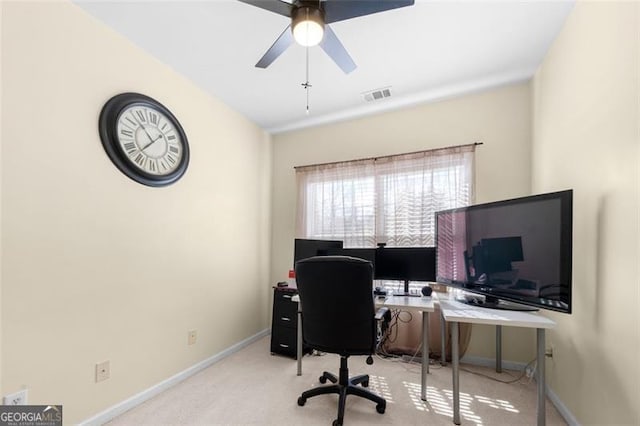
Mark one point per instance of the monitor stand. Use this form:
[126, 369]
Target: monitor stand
[495, 303]
[406, 291]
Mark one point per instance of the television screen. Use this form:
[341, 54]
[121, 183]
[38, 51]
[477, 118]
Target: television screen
[517, 250]
[309, 248]
[405, 264]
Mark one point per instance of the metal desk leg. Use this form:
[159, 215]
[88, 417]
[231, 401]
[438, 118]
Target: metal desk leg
[443, 344]
[425, 354]
[455, 368]
[498, 348]
[299, 341]
[540, 378]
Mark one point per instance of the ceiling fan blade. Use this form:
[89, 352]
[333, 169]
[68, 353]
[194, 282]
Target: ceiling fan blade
[276, 6]
[339, 10]
[276, 49]
[332, 46]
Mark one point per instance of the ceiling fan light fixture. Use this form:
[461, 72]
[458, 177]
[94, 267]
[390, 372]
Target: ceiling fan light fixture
[307, 26]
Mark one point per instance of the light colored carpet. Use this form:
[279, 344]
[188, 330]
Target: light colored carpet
[254, 387]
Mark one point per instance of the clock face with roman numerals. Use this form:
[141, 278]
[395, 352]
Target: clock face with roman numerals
[149, 139]
[143, 139]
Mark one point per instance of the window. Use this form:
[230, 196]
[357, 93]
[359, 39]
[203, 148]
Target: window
[338, 201]
[389, 200]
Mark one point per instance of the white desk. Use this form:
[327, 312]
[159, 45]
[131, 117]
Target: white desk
[456, 312]
[424, 304]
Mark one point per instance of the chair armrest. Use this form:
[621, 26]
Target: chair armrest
[381, 313]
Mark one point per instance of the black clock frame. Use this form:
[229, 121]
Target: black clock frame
[107, 126]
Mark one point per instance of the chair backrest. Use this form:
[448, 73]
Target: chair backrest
[336, 296]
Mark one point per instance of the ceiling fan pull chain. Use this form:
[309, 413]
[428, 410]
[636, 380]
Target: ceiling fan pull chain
[306, 84]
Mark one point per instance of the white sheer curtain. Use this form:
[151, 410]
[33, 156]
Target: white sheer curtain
[337, 201]
[412, 187]
[453, 263]
[390, 199]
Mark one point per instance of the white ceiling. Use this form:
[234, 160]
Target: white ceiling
[428, 51]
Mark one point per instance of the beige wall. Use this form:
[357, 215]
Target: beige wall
[500, 118]
[586, 136]
[95, 266]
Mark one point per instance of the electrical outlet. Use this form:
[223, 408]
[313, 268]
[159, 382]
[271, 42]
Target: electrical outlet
[193, 336]
[103, 371]
[18, 398]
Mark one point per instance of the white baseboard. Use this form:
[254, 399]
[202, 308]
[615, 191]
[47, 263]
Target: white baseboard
[512, 365]
[562, 409]
[491, 362]
[114, 411]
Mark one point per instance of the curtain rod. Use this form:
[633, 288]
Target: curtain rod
[388, 156]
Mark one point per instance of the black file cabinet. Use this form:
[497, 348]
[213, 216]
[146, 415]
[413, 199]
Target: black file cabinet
[284, 331]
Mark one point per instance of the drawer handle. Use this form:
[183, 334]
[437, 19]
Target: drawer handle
[286, 296]
[285, 319]
[283, 345]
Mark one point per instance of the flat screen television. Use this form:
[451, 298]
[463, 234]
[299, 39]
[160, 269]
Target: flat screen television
[405, 264]
[517, 250]
[304, 248]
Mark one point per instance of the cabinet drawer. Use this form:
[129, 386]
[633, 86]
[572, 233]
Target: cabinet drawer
[283, 298]
[285, 318]
[283, 341]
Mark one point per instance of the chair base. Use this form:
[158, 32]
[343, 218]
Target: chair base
[343, 386]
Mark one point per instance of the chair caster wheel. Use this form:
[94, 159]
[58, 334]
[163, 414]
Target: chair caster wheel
[302, 401]
[365, 384]
[336, 423]
[323, 379]
[381, 407]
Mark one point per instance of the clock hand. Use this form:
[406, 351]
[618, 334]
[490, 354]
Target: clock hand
[147, 133]
[149, 144]
[145, 130]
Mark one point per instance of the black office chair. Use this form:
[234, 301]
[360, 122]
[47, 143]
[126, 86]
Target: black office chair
[338, 316]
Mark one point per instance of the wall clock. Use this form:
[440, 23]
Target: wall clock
[143, 139]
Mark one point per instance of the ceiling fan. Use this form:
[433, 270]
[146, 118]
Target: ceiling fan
[309, 24]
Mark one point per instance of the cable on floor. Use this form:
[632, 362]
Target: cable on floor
[520, 376]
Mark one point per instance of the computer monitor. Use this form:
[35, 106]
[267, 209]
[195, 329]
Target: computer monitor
[405, 264]
[361, 253]
[304, 248]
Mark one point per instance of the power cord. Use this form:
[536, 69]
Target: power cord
[393, 324]
[391, 335]
[525, 372]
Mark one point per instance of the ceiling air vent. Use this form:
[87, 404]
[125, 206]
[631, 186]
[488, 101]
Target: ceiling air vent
[377, 94]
